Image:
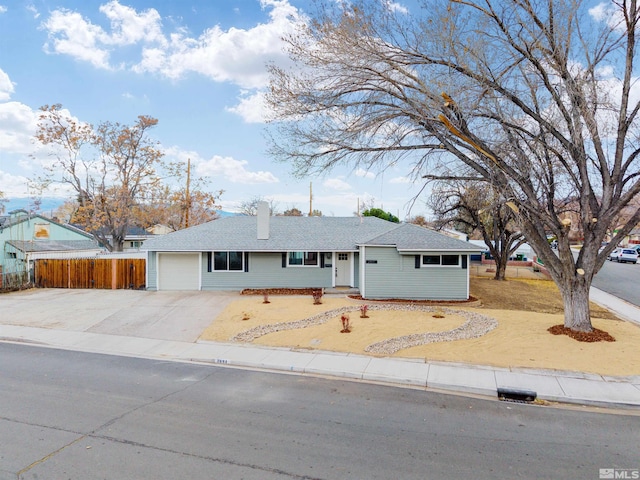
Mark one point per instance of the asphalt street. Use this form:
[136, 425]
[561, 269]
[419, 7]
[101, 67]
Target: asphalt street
[72, 415]
[621, 280]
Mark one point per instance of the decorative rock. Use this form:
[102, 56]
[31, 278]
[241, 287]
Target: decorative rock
[475, 326]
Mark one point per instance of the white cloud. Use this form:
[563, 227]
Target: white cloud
[70, 34]
[128, 27]
[599, 12]
[17, 127]
[608, 13]
[234, 55]
[344, 203]
[234, 171]
[13, 185]
[6, 86]
[400, 180]
[251, 108]
[32, 8]
[3, 9]
[336, 184]
[395, 7]
[153, 60]
[360, 172]
[228, 168]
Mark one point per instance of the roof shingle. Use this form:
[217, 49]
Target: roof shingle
[303, 234]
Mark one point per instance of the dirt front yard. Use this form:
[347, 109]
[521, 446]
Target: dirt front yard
[508, 328]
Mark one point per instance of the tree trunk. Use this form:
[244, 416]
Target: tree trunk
[501, 269]
[501, 258]
[575, 295]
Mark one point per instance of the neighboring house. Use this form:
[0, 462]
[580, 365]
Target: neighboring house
[382, 259]
[159, 229]
[449, 232]
[25, 237]
[135, 238]
[633, 238]
[523, 252]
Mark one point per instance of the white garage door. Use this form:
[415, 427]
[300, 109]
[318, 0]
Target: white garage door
[178, 271]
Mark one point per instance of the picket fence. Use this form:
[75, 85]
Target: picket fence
[102, 273]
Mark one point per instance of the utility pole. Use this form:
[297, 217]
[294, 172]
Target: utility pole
[187, 195]
[310, 199]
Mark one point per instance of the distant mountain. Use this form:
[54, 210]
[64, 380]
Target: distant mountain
[223, 213]
[50, 205]
[47, 206]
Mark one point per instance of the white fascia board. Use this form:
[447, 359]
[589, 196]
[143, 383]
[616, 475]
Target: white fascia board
[373, 245]
[439, 250]
[142, 249]
[186, 252]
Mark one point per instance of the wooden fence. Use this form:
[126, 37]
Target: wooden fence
[107, 273]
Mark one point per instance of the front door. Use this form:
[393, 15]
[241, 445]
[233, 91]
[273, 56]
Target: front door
[343, 269]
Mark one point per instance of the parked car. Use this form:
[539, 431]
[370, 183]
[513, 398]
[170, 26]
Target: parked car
[624, 255]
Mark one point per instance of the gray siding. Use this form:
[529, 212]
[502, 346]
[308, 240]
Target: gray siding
[395, 276]
[356, 270]
[152, 271]
[265, 271]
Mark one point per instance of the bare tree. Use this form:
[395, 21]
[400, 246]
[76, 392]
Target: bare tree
[534, 98]
[111, 169]
[187, 202]
[2, 202]
[250, 207]
[292, 212]
[478, 208]
[418, 220]
[65, 212]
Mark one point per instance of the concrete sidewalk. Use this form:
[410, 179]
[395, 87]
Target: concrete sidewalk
[621, 308]
[566, 387]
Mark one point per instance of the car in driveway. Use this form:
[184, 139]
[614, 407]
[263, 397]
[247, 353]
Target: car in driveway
[624, 255]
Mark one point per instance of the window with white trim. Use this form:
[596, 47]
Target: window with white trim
[441, 260]
[303, 259]
[225, 262]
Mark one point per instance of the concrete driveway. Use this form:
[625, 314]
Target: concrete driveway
[180, 316]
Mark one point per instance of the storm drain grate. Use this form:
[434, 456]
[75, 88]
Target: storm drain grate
[516, 395]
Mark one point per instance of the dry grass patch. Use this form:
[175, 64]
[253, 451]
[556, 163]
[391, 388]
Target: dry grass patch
[525, 310]
[526, 295]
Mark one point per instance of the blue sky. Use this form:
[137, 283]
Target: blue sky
[196, 66]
